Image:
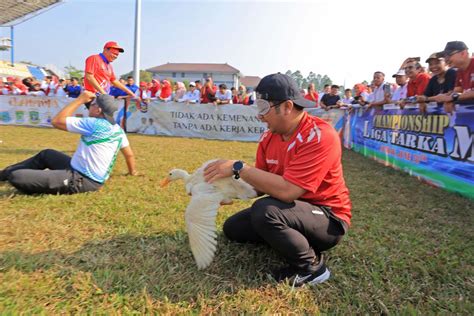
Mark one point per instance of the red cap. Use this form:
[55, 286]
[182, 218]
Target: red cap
[113, 45]
[143, 84]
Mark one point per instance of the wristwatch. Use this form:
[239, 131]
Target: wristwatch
[236, 168]
[455, 96]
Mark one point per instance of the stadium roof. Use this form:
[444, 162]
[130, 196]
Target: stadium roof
[17, 11]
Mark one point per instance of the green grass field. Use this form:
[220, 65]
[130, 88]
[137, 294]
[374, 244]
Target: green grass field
[124, 250]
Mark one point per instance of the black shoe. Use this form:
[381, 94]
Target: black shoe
[3, 175]
[297, 278]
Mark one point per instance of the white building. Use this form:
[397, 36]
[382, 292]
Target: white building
[220, 73]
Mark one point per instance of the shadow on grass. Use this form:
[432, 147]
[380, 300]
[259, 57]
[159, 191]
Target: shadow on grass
[7, 191]
[162, 265]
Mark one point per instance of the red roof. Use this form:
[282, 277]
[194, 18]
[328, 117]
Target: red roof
[250, 81]
[189, 67]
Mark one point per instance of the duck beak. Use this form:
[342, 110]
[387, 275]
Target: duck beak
[165, 182]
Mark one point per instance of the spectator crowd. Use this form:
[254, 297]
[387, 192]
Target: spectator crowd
[448, 79]
[195, 92]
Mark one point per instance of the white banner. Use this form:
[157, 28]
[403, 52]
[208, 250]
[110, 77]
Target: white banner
[32, 110]
[226, 122]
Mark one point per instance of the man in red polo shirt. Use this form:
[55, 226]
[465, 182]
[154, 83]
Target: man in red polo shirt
[418, 80]
[307, 209]
[457, 55]
[99, 74]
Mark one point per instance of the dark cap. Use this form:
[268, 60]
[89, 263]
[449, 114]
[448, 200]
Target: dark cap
[452, 47]
[280, 87]
[108, 106]
[436, 56]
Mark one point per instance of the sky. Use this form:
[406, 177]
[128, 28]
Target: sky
[346, 40]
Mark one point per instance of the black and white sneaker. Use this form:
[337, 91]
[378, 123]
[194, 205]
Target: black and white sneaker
[297, 278]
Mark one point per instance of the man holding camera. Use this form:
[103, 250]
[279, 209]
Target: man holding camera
[208, 91]
[53, 172]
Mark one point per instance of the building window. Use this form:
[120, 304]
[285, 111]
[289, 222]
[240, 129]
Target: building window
[182, 75]
[174, 75]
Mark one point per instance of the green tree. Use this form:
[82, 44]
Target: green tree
[298, 78]
[144, 75]
[72, 71]
[318, 80]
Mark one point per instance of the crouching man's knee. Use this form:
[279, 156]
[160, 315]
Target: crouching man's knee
[265, 212]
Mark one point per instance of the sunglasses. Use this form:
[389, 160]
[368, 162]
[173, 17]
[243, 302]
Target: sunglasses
[263, 106]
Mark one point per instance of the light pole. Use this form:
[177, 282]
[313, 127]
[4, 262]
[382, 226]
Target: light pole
[136, 57]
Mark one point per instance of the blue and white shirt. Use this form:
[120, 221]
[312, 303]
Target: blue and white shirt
[98, 148]
[191, 96]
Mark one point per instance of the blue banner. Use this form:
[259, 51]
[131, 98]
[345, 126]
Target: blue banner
[435, 146]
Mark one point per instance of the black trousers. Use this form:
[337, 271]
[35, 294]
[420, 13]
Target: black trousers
[48, 172]
[298, 231]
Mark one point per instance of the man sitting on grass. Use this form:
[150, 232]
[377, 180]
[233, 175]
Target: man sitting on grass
[53, 172]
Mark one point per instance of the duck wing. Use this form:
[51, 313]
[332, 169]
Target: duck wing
[243, 190]
[235, 189]
[200, 218]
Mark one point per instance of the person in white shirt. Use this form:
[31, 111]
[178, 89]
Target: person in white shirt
[382, 91]
[48, 86]
[401, 92]
[326, 90]
[347, 97]
[53, 172]
[192, 95]
[144, 92]
[223, 96]
[150, 129]
[37, 91]
[59, 91]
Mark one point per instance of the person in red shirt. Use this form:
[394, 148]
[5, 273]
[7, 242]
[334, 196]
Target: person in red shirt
[242, 96]
[99, 74]
[457, 55]
[155, 88]
[307, 209]
[208, 91]
[312, 94]
[418, 80]
[166, 91]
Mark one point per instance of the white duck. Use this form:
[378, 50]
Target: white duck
[200, 216]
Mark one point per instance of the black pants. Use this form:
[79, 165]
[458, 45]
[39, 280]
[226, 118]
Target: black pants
[30, 176]
[298, 231]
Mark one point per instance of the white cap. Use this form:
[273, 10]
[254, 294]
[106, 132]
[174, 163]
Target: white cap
[192, 84]
[400, 72]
